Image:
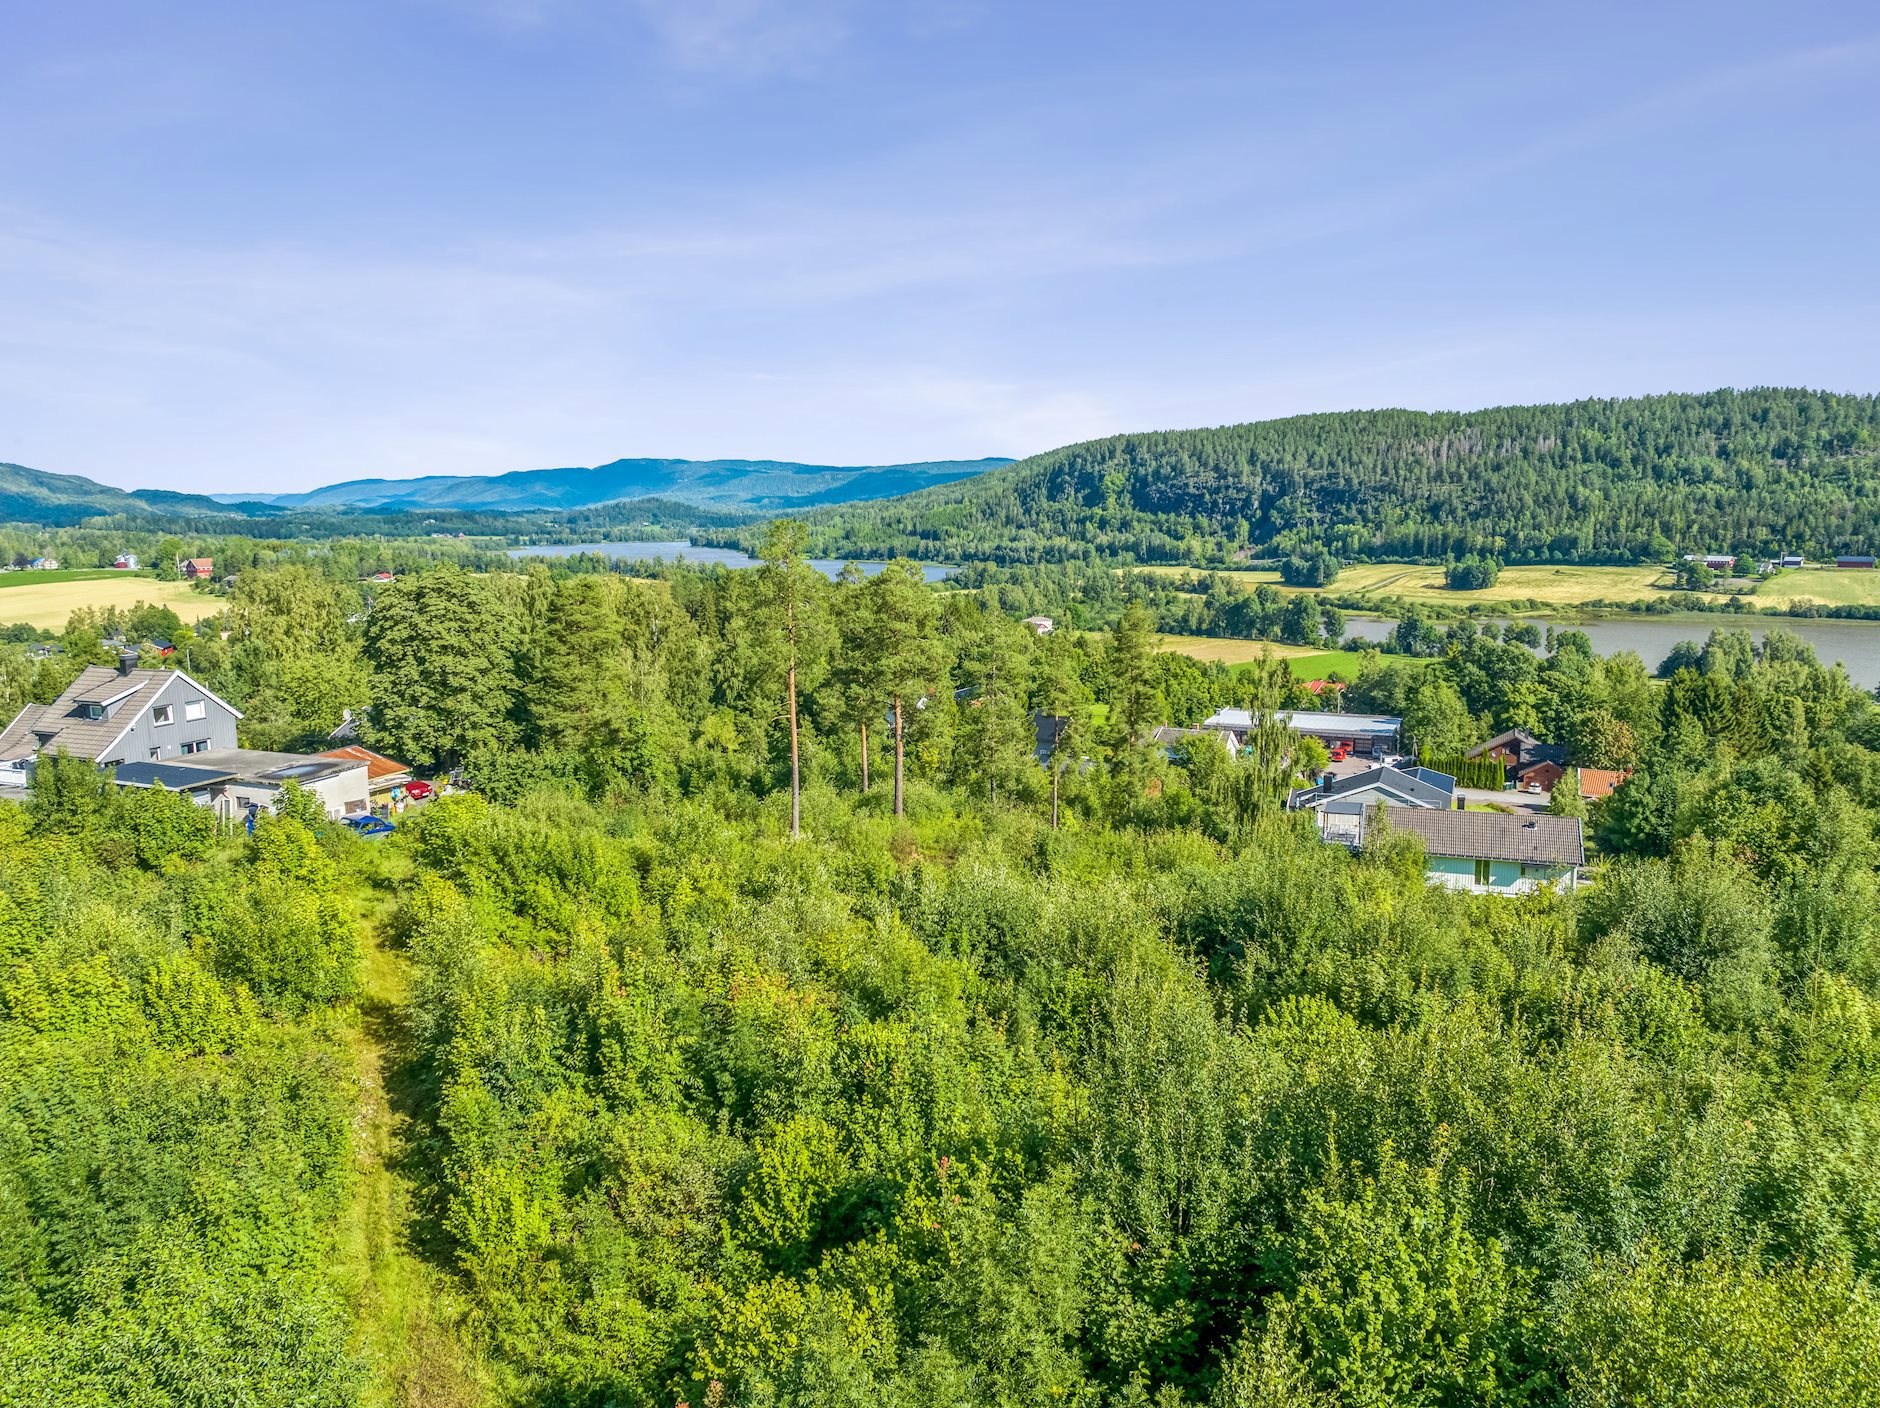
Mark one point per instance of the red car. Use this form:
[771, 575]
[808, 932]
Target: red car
[1340, 753]
[420, 791]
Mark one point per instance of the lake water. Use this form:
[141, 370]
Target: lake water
[1856, 644]
[699, 557]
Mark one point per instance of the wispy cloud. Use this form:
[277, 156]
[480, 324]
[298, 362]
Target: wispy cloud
[745, 38]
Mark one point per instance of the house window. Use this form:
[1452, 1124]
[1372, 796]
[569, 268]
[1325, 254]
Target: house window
[201, 745]
[91, 711]
[163, 714]
[194, 709]
[1481, 872]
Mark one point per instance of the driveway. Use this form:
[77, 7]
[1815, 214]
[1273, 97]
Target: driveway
[1513, 801]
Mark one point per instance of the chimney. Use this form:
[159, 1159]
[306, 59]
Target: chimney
[127, 661]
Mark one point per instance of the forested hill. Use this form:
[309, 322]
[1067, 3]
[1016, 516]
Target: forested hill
[1744, 471]
[35, 496]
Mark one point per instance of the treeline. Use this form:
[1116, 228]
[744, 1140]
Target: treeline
[1749, 472]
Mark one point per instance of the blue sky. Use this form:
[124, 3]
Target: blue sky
[265, 247]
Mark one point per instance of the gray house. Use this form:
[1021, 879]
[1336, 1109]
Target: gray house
[123, 715]
[1389, 786]
[1486, 853]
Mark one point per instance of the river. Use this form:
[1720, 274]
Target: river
[1856, 644]
[677, 551]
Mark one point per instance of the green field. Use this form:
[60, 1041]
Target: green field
[1306, 662]
[1828, 585]
[47, 599]
[76, 574]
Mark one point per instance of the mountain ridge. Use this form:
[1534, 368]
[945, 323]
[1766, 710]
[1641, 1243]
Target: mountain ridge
[722, 483]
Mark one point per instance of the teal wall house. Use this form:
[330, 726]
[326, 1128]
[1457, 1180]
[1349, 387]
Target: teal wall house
[1485, 853]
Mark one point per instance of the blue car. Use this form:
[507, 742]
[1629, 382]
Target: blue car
[369, 825]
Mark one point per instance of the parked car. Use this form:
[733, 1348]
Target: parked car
[369, 825]
[420, 791]
[1340, 753]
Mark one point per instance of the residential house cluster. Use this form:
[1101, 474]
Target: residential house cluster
[161, 728]
[1491, 853]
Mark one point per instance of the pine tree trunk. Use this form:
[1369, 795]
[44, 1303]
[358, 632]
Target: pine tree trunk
[898, 800]
[796, 755]
[796, 763]
[864, 757]
[1056, 772]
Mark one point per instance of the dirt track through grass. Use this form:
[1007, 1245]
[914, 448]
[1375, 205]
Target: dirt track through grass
[392, 1264]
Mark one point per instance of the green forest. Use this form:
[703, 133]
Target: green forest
[1754, 473]
[780, 1016]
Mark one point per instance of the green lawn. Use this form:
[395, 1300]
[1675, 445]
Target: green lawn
[76, 574]
[1319, 665]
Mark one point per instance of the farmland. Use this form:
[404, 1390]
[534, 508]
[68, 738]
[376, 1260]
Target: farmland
[1828, 585]
[47, 599]
[1552, 586]
[1564, 587]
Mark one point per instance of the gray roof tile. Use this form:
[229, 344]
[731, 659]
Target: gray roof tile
[1532, 839]
[82, 737]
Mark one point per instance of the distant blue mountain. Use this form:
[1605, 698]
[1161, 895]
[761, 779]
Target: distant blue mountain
[726, 484]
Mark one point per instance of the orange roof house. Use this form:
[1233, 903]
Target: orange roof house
[1600, 782]
[382, 773]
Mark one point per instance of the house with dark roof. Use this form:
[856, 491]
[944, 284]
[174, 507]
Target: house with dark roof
[1505, 747]
[124, 715]
[1485, 853]
[1531, 765]
[1380, 786]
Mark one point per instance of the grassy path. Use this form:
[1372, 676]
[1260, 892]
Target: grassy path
[405, 1303]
